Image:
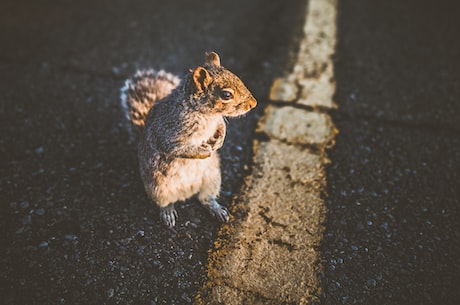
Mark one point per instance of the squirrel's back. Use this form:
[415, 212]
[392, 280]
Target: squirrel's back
[142, 91]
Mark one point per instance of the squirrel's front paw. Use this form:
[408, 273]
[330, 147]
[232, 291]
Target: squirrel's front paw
[169, 215]
[195, 152]
[216, 140]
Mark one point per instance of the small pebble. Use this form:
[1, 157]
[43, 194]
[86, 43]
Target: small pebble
[39, 150]
[186, 298]
[156, 263]
[24, 204]
[70, 237]
[371, 283]
[116, 70]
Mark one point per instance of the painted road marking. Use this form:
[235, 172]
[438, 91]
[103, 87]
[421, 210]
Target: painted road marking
[271, 254]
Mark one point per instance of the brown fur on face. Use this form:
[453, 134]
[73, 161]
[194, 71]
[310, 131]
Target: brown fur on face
[213, 81]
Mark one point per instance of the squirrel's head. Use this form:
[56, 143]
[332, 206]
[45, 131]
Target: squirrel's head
[215, 86]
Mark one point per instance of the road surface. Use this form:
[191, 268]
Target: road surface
[77, 225]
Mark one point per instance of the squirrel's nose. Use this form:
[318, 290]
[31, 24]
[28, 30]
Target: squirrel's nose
[252, 102]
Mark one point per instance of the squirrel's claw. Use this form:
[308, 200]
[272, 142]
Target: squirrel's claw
[169, 215]
[218, 211]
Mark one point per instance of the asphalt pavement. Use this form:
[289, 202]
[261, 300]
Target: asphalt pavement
[77, 227]
[392, 229]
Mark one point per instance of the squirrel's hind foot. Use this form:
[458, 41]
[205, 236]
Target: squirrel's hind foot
[169, 215]
[218, 211]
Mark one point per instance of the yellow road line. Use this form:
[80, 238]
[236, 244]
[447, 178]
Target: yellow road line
[270, 254]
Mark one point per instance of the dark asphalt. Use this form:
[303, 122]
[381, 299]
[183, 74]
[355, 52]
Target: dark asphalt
[393, 235]
[77, 227]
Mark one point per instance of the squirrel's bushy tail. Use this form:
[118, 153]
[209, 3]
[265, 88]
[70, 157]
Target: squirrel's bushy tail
[141, 91]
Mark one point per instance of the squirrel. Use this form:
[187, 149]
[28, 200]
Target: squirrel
[180, 125]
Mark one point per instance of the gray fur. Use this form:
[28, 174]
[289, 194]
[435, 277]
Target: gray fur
[182, 131]
[141, 91]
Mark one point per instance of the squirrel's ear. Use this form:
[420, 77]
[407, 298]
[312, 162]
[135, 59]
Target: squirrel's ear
[212, 59]
[201, 79]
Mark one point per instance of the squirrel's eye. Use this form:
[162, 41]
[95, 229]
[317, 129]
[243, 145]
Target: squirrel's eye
[226, 95]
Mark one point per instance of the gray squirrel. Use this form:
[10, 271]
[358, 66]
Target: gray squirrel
[180, 126]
